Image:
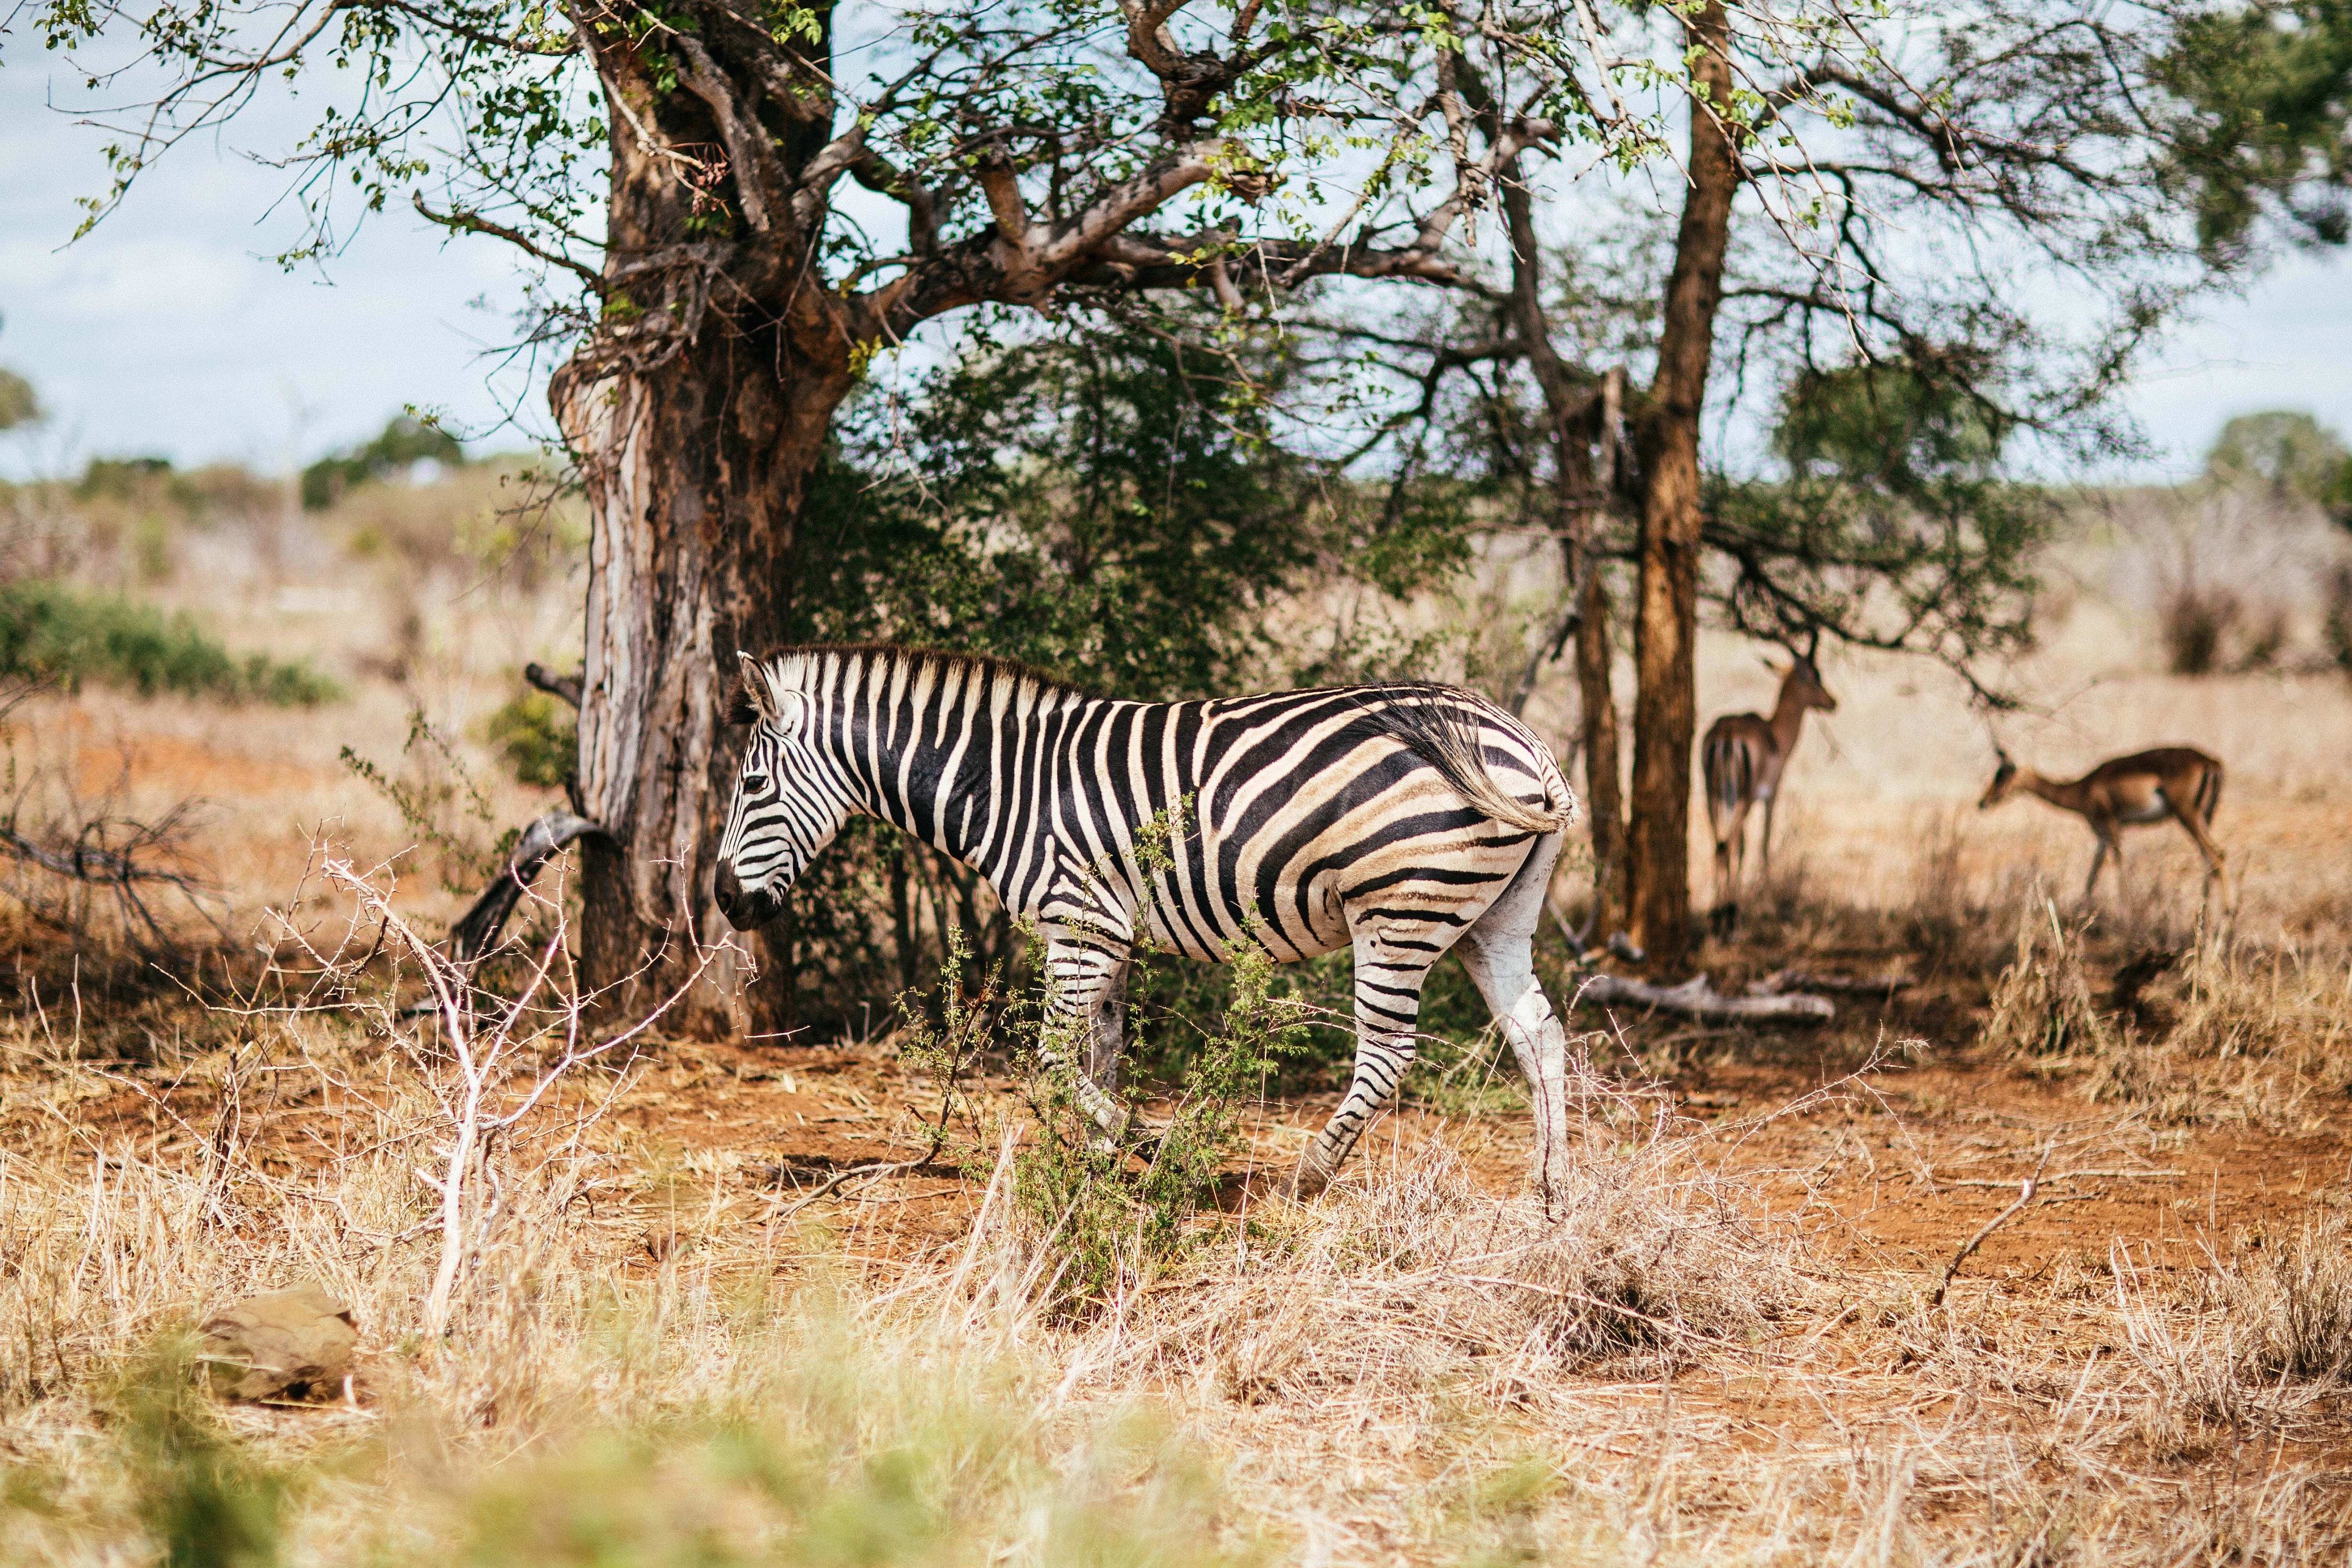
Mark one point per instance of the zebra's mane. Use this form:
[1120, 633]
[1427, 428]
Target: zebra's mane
[887, 658]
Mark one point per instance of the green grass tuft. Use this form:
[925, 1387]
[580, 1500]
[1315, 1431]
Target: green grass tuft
[51, 632]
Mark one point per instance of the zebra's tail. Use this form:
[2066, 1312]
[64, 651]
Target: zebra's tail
[1445, 728]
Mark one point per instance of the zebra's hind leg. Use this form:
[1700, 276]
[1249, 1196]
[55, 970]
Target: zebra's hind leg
[1499, 953]
[1391, 961]
[1086, 1014]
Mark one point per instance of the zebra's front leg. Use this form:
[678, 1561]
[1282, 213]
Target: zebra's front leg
[1086, 1007]
[1389, 976]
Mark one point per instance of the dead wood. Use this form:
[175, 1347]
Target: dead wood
[547, 679]
[475, 932]
[127, 859]
[1698, 998]
[1781, 981]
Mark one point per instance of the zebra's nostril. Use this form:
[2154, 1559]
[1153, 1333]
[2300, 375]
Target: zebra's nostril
[726, 888]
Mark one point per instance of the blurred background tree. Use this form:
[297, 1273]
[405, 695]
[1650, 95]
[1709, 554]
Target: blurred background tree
[405, 442]
[18, 405]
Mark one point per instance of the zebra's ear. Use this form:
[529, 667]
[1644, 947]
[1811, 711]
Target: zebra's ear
[755, 701]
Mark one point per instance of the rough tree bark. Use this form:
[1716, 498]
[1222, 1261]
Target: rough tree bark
[1666, 614]
[695, 471]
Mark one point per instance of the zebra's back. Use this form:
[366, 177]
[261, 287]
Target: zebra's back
[1279, 819]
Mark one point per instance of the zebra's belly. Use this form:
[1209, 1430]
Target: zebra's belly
[1328, 889]
[1276, 927]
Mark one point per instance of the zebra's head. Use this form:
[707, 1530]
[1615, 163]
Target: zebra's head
[782, 815]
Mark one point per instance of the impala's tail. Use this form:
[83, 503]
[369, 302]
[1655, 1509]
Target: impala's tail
[2209, 793]
[1729, 766]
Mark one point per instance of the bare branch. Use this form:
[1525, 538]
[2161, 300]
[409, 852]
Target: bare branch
[463, 221]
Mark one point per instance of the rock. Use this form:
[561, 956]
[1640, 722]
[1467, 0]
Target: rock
[286, 1344]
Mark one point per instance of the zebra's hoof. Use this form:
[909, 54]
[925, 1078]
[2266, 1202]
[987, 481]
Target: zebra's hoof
[1307, 1182]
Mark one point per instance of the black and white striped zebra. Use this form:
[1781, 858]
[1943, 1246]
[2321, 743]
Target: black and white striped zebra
[1401, 821]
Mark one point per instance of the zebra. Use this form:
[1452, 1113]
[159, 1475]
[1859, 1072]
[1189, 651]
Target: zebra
[1402, 820]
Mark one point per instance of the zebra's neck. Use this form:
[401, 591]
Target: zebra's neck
[944, 746]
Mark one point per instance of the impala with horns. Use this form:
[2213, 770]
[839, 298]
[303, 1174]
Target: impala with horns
[2178, 782]
[1743, 759]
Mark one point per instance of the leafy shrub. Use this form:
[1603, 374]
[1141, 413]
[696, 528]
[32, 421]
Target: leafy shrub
[49, 631]
[538, 738]
[442, 804]
[1110, 1223]
[1107, 1213]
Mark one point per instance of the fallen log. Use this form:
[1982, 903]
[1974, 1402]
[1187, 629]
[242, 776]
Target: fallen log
[475, 932]
[1698, 998]
[1796, 979]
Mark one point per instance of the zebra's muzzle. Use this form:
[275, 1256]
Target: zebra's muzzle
[745, 911]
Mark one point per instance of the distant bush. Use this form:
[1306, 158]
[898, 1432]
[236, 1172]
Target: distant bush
[2197, 622]
[405, 442]
[49, 630]
[2336, 626]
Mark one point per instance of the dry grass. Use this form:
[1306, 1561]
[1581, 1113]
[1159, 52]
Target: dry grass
[642, 1371]
[1720, 1351]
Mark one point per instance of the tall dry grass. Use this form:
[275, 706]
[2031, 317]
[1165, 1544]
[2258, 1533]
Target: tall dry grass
[642, 1364]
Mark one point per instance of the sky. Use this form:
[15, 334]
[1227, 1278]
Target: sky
[170, 331]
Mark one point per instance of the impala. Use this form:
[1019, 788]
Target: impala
[2175, 781]
[1743, 759]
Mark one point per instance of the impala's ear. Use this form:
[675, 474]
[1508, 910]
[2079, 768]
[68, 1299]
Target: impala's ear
[1780, 670]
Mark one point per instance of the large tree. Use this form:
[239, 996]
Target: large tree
[738, 208]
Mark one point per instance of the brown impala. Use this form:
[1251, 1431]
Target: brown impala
[2175, 781]
[1742, 760]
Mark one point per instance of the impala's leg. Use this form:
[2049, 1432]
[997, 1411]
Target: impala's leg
[1085, 1006]
[1393, 951]
[1499, 953]
[2216, 863]
[1730, 838]
[2098, 862]
[1729, 907]
[1722, 887]
[1769, 801]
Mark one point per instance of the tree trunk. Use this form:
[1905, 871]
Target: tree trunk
[1667, 612]
[1580, 497]
[1604, 794]
[695, 467]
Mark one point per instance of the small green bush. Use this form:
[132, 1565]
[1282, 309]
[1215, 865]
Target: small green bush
[49, 631]
[1110, 1223]
[539, 737]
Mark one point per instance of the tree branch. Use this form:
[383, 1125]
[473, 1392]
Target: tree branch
[464, 221]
